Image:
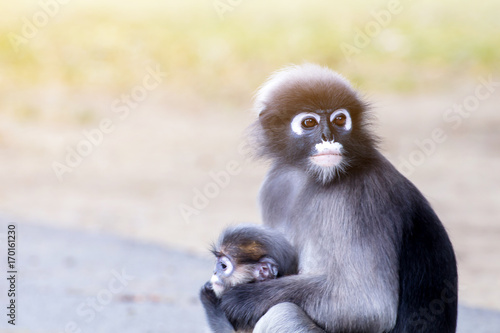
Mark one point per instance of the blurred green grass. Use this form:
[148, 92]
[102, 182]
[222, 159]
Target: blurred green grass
[106, 45]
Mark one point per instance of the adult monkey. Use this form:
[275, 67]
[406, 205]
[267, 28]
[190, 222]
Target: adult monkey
[373, 255]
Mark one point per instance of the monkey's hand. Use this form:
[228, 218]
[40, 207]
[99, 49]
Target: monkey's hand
[207, 296]
[215, 316]
[245, 304]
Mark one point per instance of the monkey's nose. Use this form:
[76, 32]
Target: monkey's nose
[327, 136]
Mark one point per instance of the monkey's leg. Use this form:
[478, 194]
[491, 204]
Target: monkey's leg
[286, 318]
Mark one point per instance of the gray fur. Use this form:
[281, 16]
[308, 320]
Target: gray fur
[247, 247]
[363, 284]
[372, 252]
[277, 320]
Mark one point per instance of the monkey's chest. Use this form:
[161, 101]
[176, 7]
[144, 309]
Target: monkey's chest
[331, 236]
[338, 256]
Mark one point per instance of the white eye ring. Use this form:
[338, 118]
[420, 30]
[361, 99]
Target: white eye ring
[229, 265]
[297, 121]
[348, 121]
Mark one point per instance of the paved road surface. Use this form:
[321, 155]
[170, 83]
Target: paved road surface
[72, 281]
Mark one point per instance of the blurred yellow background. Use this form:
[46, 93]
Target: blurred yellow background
[154, 98]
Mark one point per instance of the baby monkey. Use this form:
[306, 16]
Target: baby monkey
[251, 253]
[245, 254]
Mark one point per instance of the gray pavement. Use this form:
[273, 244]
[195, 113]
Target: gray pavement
[71, 281]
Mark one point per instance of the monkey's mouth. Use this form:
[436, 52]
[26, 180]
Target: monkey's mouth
[327, 159]
[218, 288]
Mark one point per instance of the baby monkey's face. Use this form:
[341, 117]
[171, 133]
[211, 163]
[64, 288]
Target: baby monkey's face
[228, 272]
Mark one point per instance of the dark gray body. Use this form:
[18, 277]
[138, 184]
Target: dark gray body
[373, 255]
[345, 227]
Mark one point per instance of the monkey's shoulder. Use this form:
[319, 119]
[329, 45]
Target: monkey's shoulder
[394, 192]
[284, 183]
[279, 194]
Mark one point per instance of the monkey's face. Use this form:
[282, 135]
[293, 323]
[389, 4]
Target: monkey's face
[228, 273]
[321, 134]
[311, 118]
[317, 128]
[222, 272]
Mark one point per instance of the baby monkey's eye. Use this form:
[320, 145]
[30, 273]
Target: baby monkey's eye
[309, 122]
[225, 265]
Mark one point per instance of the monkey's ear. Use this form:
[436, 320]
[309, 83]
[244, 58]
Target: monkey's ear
[274, 122]
[265, 269]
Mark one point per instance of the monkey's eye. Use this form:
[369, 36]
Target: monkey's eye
[340, 120]
[303, 121]
[309, 122]
[225, 266]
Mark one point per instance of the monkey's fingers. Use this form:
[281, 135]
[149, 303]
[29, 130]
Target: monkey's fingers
[207, 294]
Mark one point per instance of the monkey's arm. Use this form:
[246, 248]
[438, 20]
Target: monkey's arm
[245, 304]
[216, 317]
[286, 318]
[428, 276]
